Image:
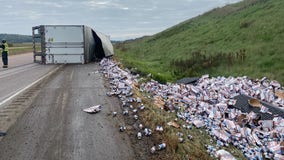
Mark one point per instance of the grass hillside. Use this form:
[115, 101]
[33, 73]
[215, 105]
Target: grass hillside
[245, 38]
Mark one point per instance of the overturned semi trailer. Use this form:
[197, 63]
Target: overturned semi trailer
[69, 44]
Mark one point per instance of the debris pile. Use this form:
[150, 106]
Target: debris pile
[2, 134]
[121, 85]
[209, 103]
[93, 109]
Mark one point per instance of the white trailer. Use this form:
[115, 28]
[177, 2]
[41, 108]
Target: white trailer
[69, 44]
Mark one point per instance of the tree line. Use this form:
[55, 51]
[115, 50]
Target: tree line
[16, 38]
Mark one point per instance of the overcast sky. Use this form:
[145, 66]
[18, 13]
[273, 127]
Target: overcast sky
[121, 19]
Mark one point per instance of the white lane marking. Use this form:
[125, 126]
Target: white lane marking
[27, 87]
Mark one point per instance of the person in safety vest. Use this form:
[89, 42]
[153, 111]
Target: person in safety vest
[5, 52]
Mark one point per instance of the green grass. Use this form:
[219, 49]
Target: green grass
[19, 48]
[255, 26]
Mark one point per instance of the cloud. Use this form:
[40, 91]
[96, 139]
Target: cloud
[27, 14]
[94, 4]
[56, 4]
[8, 6]
[33, 15]
[125, 8]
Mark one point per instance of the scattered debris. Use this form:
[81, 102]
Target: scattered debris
[122, 128]
[198, 123]
[279, 94]
[140, 126]
[181, 140]
[209, 103]
[2, 134]
[93, 109]
[142, 107]
[174, 124]
[139, 135]
[224, 155]
[153, 149]
[135, 111]
[138, 100]
[189, 137]
[159, 129]
[147, 132]
[162, 146]
[125, 112]
[254, 102]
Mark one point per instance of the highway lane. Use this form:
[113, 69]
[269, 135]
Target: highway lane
[55, 127]
[21, 72]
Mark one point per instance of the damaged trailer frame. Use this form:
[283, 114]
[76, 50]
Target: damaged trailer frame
[64, 44]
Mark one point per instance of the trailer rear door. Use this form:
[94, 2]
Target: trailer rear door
[64, 44]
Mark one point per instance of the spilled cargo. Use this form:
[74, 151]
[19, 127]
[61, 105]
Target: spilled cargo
[217, 105]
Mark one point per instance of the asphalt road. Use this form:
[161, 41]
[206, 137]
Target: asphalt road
[54, 126]
[14, 79]
[21, 72]
[18, 60]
